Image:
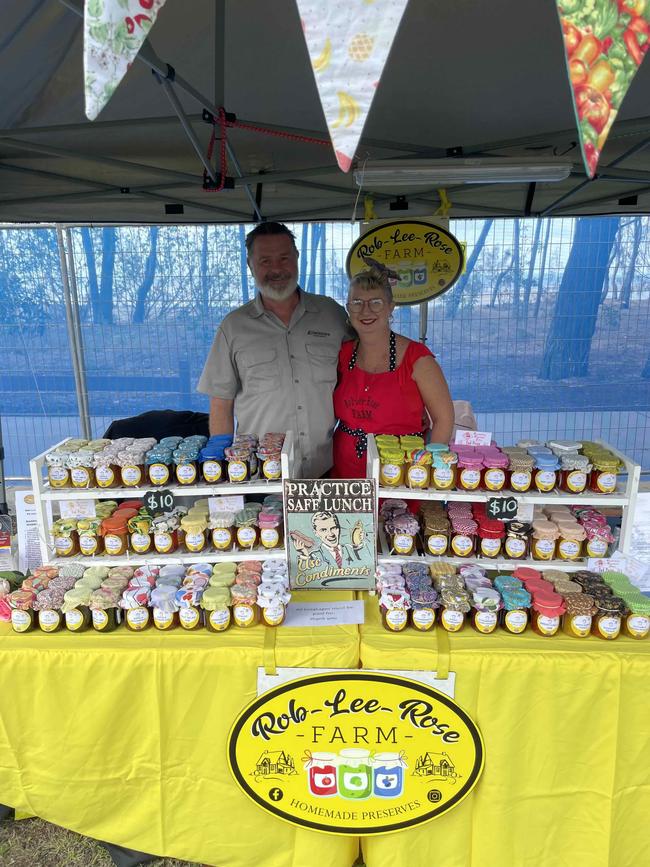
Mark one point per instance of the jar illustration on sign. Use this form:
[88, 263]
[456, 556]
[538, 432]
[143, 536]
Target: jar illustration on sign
[354, 774]
[388, 774]
[321, 768]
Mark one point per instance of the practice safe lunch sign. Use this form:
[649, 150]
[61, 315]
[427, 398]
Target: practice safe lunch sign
[355, 752]
[426, 259]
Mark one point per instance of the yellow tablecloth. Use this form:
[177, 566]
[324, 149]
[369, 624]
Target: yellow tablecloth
[122, 737]
[566, 725]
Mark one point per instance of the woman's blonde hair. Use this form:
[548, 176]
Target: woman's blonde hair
[374, 278]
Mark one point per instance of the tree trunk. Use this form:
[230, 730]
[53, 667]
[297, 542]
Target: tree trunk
[456, 293]
[516, 269]
[106, 279]
[244, 266]
[568, 343]
[628, 279]
[540, 284]
[91, 265]
[528, 286]
[610, 276]
[502, 276]
[144, 288]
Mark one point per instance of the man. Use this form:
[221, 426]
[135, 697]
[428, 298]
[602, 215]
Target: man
[272, 364]
[331, 551]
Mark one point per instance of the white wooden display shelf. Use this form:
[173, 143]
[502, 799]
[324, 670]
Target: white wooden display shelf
[43, 494]
[131, 559]
[624, 498]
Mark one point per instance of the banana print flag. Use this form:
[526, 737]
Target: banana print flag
[605, 42]
[348, 43]
[114, 30]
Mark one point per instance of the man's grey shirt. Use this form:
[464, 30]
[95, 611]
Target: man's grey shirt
[281, 377]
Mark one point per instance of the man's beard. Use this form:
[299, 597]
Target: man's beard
[273, 293]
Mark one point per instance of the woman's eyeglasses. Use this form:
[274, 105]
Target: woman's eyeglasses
[356, 305]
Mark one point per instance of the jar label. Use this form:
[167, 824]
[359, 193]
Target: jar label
[544, 548]
[189, 617]
[390, 474]
[244, 614]
[452, 620]
[396, 619]
[485, 621]
[609, 627]
[49, 620]
[159, 474]
[596, 547]
[131, 476]
[87, 545]
[162, 542]
[80, 477]
[545, 480]
[270, 537]
[418, 477]
[490, 547]
[222, 538]
[423, 618]
[58, 476]
[63, 545]
[443, 477]
[516, 621]
[100, 619]
[470, 479]
[137, 618]
[74, 620]
[273, 615]
[237, 471]
[220, 619]
[580, 625]
[113, 544]
[437, 545]
[20, 620]
[186, 474]
[162, 619]
[548, 625]
[495, 479]
[515, 548]
[520, 480]
[140, 542]
[462, 545]
[576, 481]
[271, 468]
[246, 536]
[402, 543]
[606, 482]
[195, 541]
[638, 625]
[105, 477]
[568, 549]
[211, 471]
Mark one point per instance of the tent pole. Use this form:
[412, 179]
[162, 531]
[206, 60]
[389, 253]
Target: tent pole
[424, 306]
[79, 381]
[168, 87]
[81, 358]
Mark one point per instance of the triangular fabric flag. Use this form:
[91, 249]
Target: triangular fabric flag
[114, 30]
[348, 43]
[605, 42]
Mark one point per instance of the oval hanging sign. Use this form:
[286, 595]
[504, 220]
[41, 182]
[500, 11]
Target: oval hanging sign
[355, 752]
[425, 258]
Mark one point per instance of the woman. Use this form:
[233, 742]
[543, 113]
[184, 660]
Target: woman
[387, 383]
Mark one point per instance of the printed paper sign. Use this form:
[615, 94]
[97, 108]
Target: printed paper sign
[472, 438]
[330, 530]
[312, 614]
[77, 508]
[225, 504]
[357, 753]
[29, 549]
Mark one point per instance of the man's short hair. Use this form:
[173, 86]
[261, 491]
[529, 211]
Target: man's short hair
[323, 516]
[268, 229]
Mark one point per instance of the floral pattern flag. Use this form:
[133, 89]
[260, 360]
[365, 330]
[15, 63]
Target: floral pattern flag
[348, 43]
[114, 30]
[605, 42]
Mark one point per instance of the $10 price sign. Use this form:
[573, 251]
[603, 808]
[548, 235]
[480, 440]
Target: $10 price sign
[504, 508]
[158, 501]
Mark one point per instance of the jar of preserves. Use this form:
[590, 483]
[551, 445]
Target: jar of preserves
[463, 537]
[239, 464]
[424, 603]
[436, 541]
[216, 603]
[66, 538]
[75, 608]
[271, 529]
[452, 617]
[469, 472]
[222, 531]
[140, 534]
[82, 473]
[106, 619]
[272, 600]
[599, 539]
[245, 611]
[58, 474]
[391, 468]
[580, 609]
[493, 474]
[107, 472]
[132, 473]
[163, 602]
[574, 473]
[270, 462]
[159, 465]
[604, 474]
[116, 534]
[545, 474]
[571, 540]
[394, 608]
[516, 608]
[248, 533]
[190, 617]
[548, 608]
[517, 541]
[544, 540]
[165, 533]
[91, 542]
[490, 538]
[186, 470]
[520, 472]
[418, 469]
[195, 533]
[607, 620]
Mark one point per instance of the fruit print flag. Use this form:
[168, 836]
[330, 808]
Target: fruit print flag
[605, 42]
[348, 43]
[114, 30]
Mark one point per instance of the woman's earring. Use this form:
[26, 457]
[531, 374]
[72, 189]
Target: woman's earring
[390, 318]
